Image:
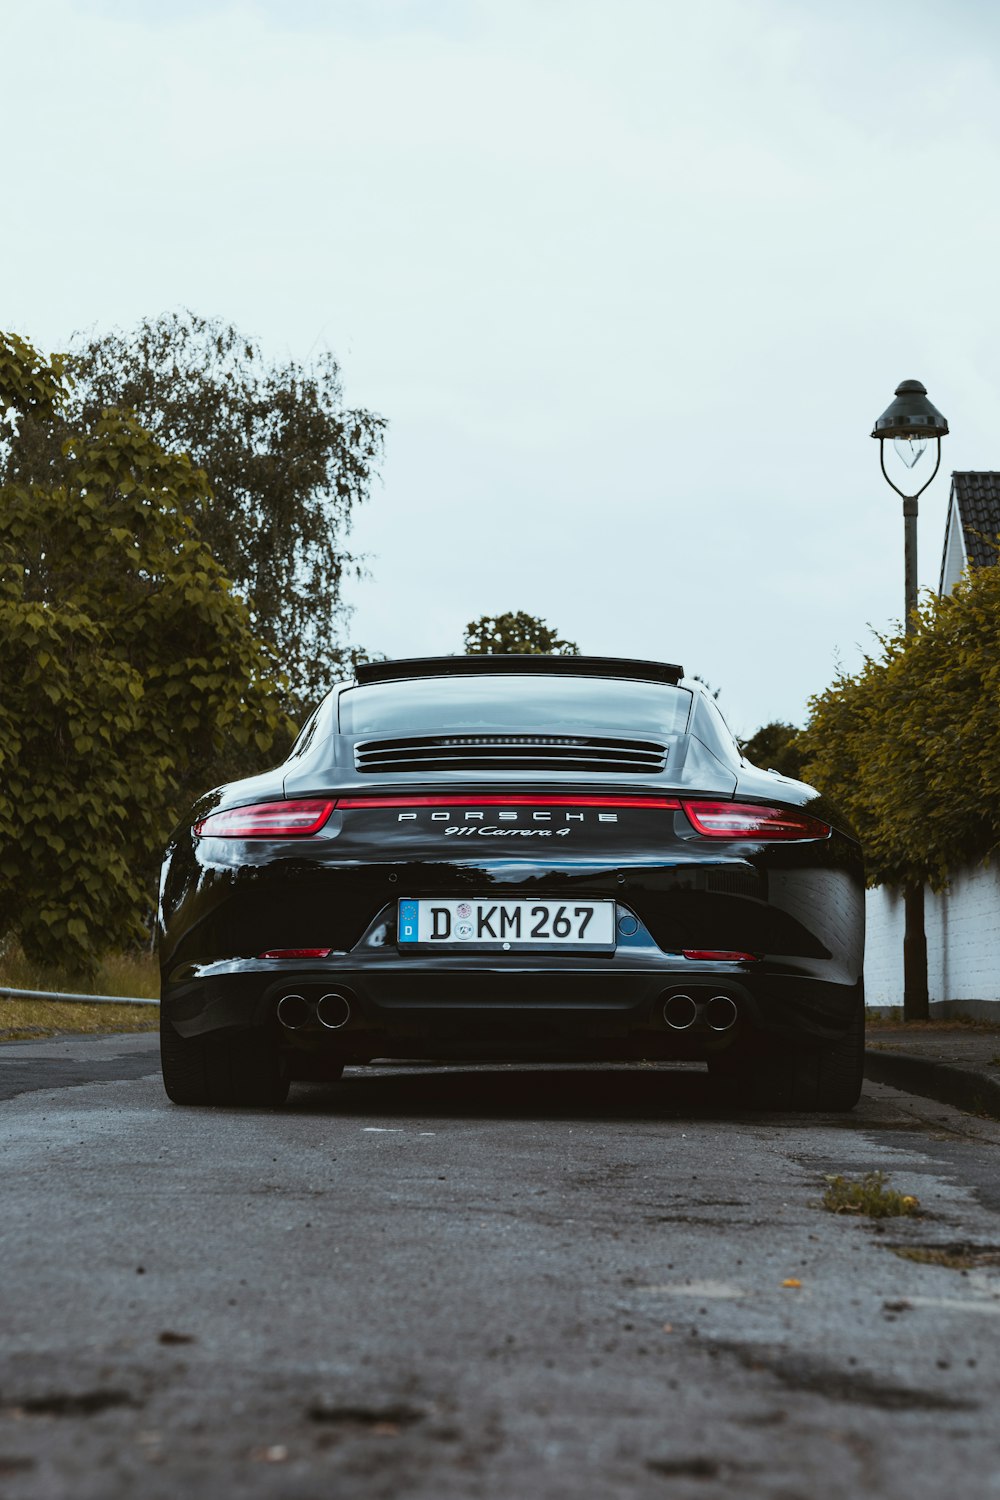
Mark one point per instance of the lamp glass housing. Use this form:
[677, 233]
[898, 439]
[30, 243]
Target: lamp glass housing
[910, 449]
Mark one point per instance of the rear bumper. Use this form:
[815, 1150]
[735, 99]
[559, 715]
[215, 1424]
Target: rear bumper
[557, 1007]
[801, 908]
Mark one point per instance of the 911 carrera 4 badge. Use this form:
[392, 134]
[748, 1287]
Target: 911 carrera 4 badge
[474, 824]
[489, 830]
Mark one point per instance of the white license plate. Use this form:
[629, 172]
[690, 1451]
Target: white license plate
[469, 923]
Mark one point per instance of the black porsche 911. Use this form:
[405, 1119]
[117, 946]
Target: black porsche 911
[513, 857]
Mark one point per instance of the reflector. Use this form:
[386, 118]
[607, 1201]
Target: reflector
[295, 953]
[719, 955]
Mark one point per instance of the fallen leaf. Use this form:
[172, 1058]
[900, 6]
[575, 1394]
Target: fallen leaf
[791, 1281]
[276, 1454]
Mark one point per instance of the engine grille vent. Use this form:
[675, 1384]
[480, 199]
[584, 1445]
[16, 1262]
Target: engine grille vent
[511, 752]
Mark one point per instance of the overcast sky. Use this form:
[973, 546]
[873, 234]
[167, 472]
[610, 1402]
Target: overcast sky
[630, 279]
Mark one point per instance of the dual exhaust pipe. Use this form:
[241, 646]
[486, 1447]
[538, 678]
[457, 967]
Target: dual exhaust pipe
[719, 1013]
[332, 1011]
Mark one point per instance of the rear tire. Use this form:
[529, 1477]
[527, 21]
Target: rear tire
[235, 1068]
[827, 1078]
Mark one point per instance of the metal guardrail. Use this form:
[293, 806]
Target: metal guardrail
[60, 998]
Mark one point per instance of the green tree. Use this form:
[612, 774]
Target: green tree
[519, 633]
[286, 464]
[776, 747]
[910, 745]
[128, 664]
[30, 384]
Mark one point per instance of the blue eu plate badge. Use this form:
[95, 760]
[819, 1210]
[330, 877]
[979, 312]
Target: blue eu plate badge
[407, 921]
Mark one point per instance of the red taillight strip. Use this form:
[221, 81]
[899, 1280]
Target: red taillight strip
[267, 820]
[716, 820]
[473, 799]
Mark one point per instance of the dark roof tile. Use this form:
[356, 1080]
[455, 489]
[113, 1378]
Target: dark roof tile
[978, 496]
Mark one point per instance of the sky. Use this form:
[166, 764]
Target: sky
[629, 279]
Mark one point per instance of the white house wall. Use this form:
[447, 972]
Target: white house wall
[963, 941]
[954, 550]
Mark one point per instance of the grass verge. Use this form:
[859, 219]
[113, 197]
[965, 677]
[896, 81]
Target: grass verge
[118, 974]
[878, 1024]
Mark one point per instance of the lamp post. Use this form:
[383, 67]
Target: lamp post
[910, 421]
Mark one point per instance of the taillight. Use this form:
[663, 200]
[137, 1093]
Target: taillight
[267, 820]
[474, 799]
[744, 820]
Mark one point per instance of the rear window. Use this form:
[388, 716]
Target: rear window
[578, 705]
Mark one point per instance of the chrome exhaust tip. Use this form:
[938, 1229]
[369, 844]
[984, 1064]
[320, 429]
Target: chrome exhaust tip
[333, 1011]
[293, 1011]
[680, 1012]
[721, 1013]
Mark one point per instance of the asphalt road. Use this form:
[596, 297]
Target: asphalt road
[510, 1283]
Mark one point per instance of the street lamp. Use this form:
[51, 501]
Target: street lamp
[911, 421]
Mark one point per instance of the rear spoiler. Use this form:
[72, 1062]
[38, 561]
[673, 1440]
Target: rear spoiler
[489, 665]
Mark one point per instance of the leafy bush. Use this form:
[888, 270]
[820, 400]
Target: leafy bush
[910, 746]
[128, 665]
